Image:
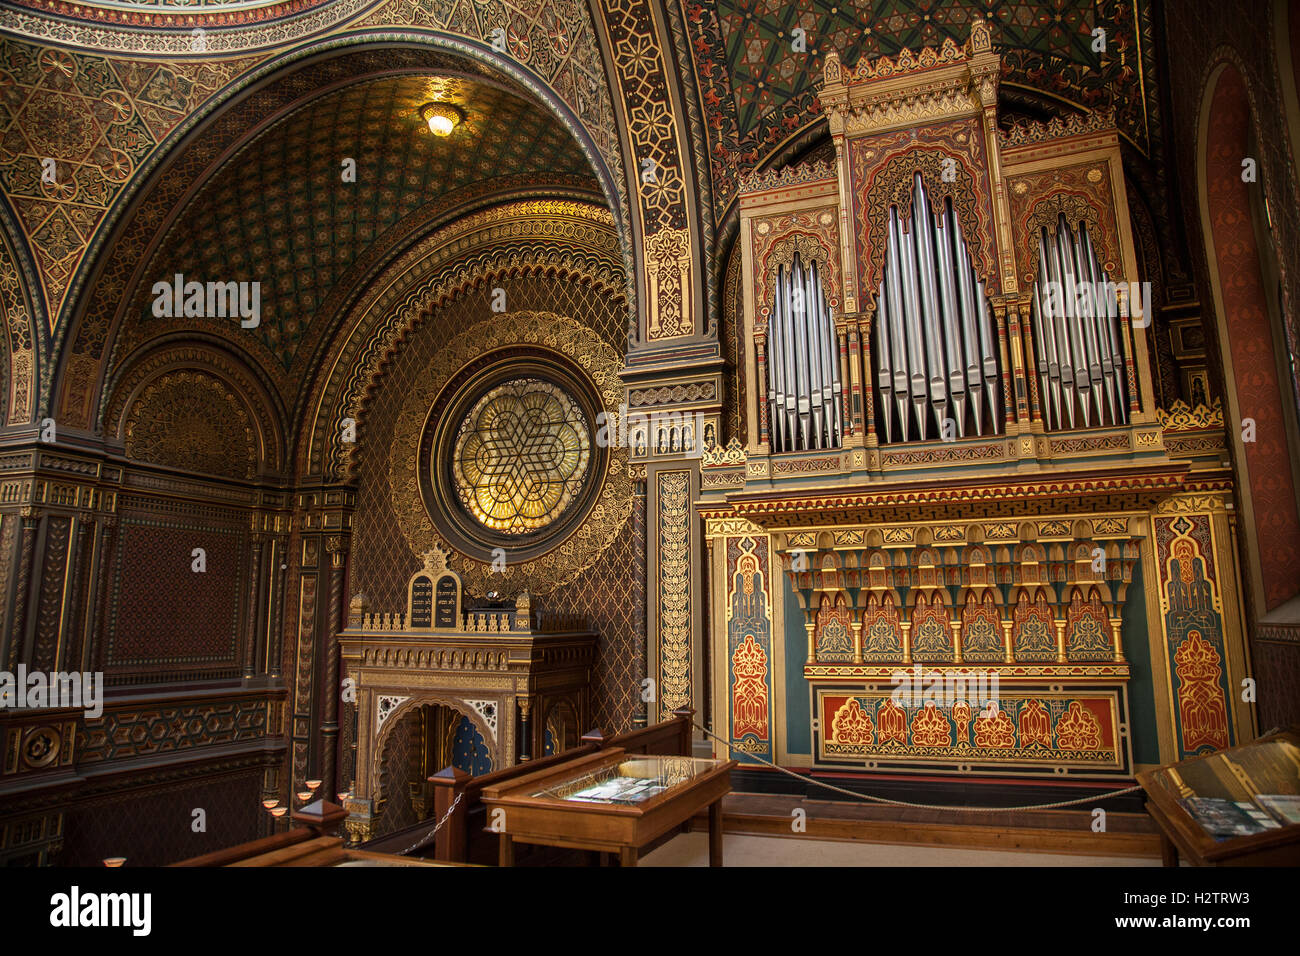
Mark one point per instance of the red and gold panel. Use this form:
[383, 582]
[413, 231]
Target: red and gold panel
[1082, 192]
[1028, 728]
[1192, 602]
[953, 163]
[981, 629]
[882, 638]
[813, 233]
[1033, 628]
[749, 645]
[833, 636]
[931, 634]
[1088, 634]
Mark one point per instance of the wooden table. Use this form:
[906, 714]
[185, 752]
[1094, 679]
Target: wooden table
[544, 808]
[1268, 766]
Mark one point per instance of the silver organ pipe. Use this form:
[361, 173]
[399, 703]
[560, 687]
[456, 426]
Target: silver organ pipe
[934, 343]
[957, 375]
[914, 335]
[776, 369]
[805, 389]
[1076, 330]
[830, 356]
[902, 371]
[928, 285]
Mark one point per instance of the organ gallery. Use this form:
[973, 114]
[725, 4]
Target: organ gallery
[640, 421]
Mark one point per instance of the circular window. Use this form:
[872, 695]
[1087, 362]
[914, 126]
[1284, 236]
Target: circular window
[521, 456]
[508, 459]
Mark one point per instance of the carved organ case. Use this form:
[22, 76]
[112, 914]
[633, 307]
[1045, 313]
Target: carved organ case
[953, 464]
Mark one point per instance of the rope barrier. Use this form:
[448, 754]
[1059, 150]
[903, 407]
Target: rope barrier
[922, 806]
[424, 840]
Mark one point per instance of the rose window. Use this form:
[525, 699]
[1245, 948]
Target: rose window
[521, 455]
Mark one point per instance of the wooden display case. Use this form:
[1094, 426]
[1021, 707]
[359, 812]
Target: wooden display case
[609, 802]
[1234, 807]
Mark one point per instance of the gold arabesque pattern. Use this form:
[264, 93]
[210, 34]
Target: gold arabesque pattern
[521, 456]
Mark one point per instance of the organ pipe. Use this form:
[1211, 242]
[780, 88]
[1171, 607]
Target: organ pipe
[935, 348]
[1076, 329]
[805, 387]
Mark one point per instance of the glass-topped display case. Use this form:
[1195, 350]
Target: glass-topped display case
[629, 782]
[610, 801]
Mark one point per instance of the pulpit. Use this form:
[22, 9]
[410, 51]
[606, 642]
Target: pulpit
[521, 678]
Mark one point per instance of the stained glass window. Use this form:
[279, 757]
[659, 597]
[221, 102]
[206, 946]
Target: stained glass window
[521, 456]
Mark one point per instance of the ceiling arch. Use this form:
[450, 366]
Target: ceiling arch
[280, 210]
[365, 97]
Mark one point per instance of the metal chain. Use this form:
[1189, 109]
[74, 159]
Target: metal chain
[430, 835]
[922, 806]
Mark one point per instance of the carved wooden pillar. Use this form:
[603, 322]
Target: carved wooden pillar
[72, 640]
[641, 715]
[1031, 364]
[337, 548]
[1015, 339]
[525, 728]
[94, 650]
[251, 631]
[275, 626]
[1008, 383]
[31, 521]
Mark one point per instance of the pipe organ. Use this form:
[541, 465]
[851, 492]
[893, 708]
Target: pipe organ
[952, 465]
[804, 370]
[1076, 336]
[933, 335]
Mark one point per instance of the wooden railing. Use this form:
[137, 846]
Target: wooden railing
[462, 839]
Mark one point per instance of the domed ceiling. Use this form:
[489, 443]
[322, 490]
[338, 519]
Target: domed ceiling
[284, 210]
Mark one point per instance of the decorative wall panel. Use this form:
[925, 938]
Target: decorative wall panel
[673, 539]
[749, 645]
[1025, 729]
[1192, 604]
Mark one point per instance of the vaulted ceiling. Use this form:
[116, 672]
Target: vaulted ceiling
[281, 211]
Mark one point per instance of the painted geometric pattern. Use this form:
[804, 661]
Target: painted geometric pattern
[1194, 629]
[303, 226]
[1020, 727]
[674, 492]
[157, 825]
[749, 647]
[155, 730]
[151, 632]
[757, 89]
[98, 119]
